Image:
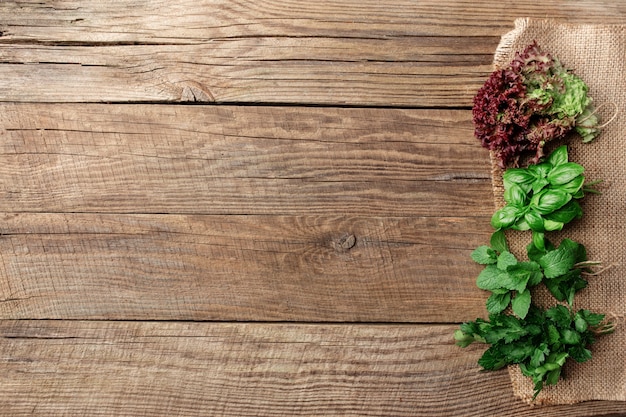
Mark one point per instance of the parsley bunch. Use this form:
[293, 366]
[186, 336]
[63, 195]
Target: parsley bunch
[540, 343]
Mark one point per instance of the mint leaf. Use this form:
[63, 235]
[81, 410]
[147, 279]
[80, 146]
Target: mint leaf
[484, 255]
[505, 260]
[521, 304]
[559, 261]
[523, 274]
[498, 302]
[490, 278]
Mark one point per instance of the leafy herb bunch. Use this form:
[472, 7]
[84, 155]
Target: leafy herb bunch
[540, 343]
[540, 198]
[532, 101]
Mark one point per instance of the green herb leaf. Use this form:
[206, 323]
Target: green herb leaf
[534, 221]
[490, 278]
[567, 213]
[498, 242]
[560, 261]
[574, 187]
[565, 173]
[570, 337]
[549, 200]
[521, 304]
[519, 176]
[558, 156]
[505, 260]
[484, 255]
[515, 195]
[505, 217]
[560, 315]
[498, 302]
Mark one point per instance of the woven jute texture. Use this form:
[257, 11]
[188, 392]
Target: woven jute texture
[596, 53]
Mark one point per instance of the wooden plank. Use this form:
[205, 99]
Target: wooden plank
[240, 160]
[257, 268]
[53, 368]
[400, 53]
[397, 72]
[188, 21]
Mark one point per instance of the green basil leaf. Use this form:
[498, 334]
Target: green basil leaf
[518, 176]
[539, 242]
[565, 173]
[540, 170]
[498, 302]
[521, 303]
[549, 200]
[484, 255]
[551, 225]
[534, 220]
[558, 156]
[567, 213]
[498, 241]
[521, 224]
[539, 184]
[574, 186]
[515, 195]
[505, 217]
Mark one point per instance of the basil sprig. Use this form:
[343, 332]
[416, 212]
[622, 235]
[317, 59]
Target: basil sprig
[542, 197]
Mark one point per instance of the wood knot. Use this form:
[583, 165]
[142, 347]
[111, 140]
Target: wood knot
[346, 242]
[196, 92]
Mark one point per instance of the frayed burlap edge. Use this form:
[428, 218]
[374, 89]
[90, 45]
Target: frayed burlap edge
[604, 377]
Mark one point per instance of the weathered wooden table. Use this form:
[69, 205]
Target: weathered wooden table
[249, 207]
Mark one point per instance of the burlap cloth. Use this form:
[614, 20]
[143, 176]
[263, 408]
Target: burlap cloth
[597, 53]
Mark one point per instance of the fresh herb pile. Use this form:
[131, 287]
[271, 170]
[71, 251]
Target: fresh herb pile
[519, 109]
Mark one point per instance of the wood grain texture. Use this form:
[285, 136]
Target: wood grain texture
[255, 268]
[53, 368]
[240, 160]
[400, 53]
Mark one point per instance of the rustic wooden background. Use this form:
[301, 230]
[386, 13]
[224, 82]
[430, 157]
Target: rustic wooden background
[249, 207]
